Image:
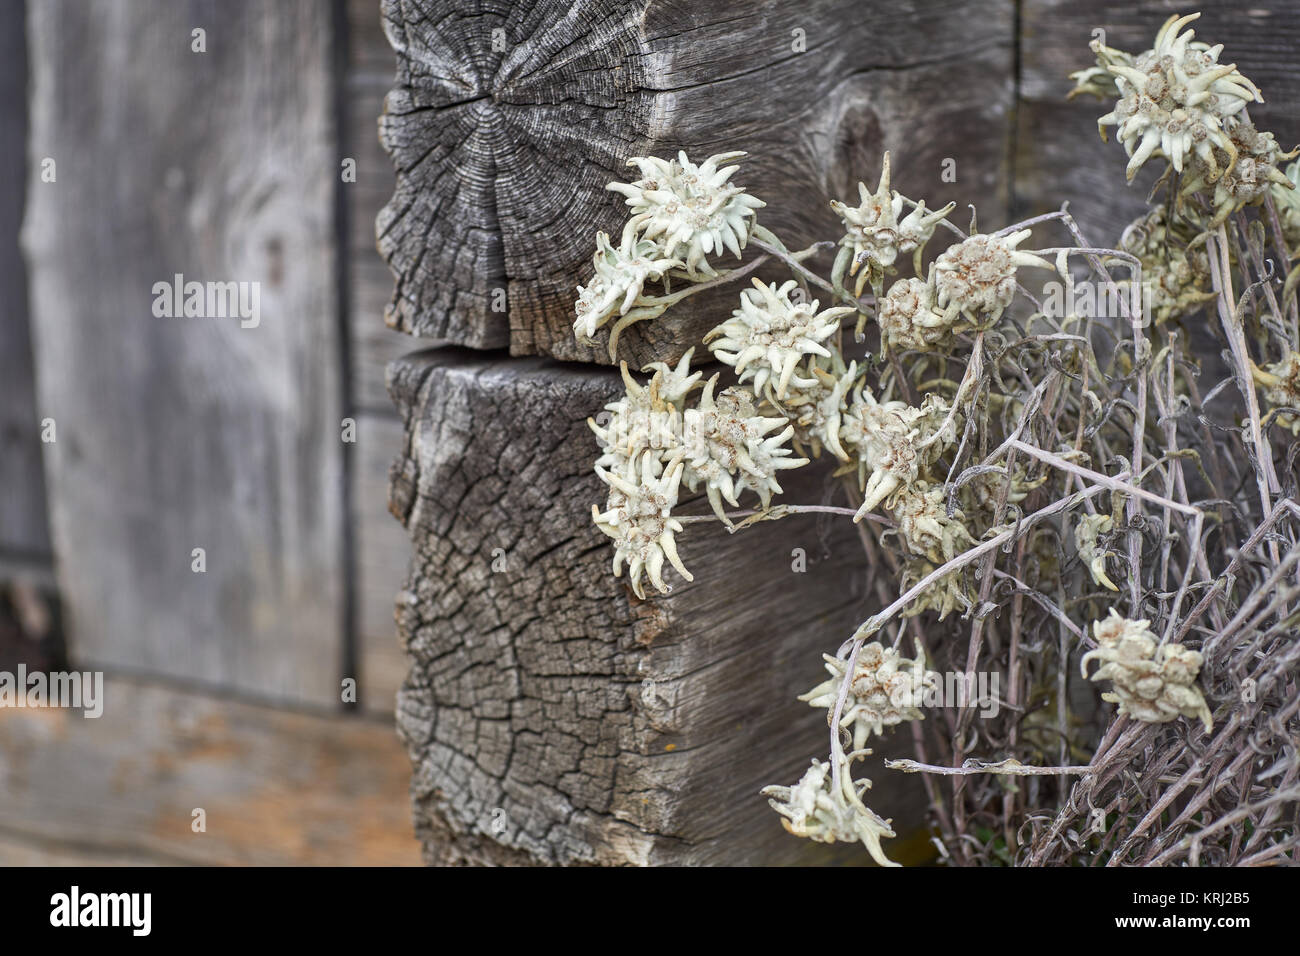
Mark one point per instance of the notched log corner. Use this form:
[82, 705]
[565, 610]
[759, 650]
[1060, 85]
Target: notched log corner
[550, 716]
[506, 125]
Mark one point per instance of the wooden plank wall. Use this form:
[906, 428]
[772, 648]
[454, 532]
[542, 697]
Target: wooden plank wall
[175, 433]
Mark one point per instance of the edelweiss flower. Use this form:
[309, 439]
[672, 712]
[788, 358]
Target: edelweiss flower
[887, 689]
[1175, 275]
[922, 516]
[816, 411]
[767, 337]
[723, 437]
[1152, 682]
[1174, 99]
[637, 516]
[646, 418]
[1281, 381]
[977, 276]
[620, 278]
[816, 809]
[682, 206]
[894, 442]
[908, 318]
[1245, 181]
[942, 597]
[874, 235]
[1092, 554]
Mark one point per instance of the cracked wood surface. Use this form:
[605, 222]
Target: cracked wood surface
[551, 717]
[506, 122]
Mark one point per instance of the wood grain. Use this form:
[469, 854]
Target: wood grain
[24, 531]
[183, 433]
[278, 788]
[596, 727]
[502, 153]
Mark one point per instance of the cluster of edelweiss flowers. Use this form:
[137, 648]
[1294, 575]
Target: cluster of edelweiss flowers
[798, 395]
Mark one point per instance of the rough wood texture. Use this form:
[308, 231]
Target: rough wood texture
[503, 151]
[587, 725]
[1059, 155]
[278, 788]
[181, 433]
[24, 532]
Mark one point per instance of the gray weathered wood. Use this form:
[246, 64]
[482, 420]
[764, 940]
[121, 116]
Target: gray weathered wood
[1059, 155]
[590, 726]
[184, 433]
[24, 531]
[278, 788]
[503, 152]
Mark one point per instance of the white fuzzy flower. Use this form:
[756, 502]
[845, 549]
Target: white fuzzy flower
[977, 276]
[769, 335]
[1174, 99]
[1091, 553]
[908, 318]
[894, 442]
[638, 516]
[1152, 682]
[642, 420]
[729, 448]
[618, 284]
[816, 809]
[887, 689]
[921, 513]
[874, 234]
[690, 208]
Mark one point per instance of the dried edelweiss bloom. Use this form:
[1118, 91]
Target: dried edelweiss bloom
[1091, 553]
[768, 336]
[648, 417]
[816, 809]
[638, 516]
[921, 513]
[909, 319]
[1281, 381]
[685, 207]
[1175, 271]
[1245, 181]
[977, 276]
[943, 596]
[730, 448]
[874, 235]
[1174, 99]
[984, 491]
[1152, 682]
[894, 442]
[886, 690]
[617, 287]
[1287, 199]
[817, 411]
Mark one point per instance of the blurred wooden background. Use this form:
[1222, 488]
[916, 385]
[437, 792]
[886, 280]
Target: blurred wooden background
[224, 688]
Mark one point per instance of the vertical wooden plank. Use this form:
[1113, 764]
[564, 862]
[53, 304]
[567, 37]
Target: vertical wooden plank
[24, 532]
[182, 433]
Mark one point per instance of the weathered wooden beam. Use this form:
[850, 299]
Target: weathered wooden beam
[181, 433]
[276, 787]
[550, 715]
[506, 123]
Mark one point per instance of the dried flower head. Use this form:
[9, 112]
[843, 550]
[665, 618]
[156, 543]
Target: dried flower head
[1152, 682]
[1245, 181]
[874, 235]
[895, 442]
[617, 287]
[920, 511]
[1174, 99]
[769, 335]
[908, 318]
[1281, 381]
[1091, 553]
[688, 208]
[886, 690]
[647, 418]
[818, 810]
[730, 448]
[638, 516]
[1175, 269]
[977, 276]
